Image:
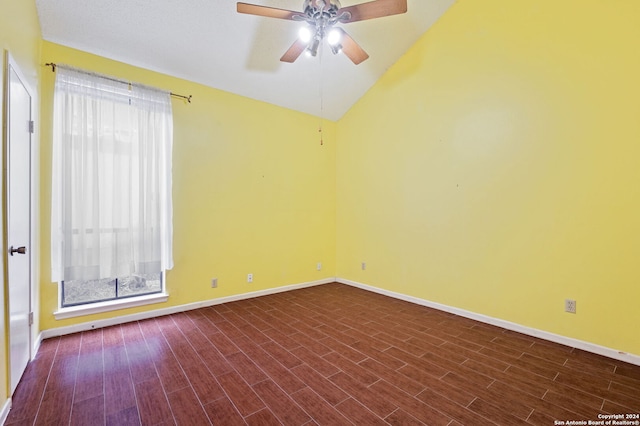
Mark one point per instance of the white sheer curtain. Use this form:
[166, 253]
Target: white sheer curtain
[111, 209]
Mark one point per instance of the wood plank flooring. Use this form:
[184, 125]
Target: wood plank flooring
[325, 355]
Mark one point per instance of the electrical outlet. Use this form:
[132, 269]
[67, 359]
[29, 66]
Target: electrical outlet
[319, 266]
[364, 265]
[249, 278]
[214, 283]
[570, 306]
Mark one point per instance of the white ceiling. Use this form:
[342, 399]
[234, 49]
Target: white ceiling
[208, 42]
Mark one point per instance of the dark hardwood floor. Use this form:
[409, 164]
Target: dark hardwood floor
[326, 355]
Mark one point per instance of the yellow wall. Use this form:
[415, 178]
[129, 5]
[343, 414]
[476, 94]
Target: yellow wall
[253, 191]
[495, 168]
[20, 37]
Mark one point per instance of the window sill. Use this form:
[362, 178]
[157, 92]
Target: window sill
[112, 305]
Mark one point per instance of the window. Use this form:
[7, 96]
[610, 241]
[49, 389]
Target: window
[80, 292]
[111, 208]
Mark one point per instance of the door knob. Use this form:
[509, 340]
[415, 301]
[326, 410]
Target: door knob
[19, 250]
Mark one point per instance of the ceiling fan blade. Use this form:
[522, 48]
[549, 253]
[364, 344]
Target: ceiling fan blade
[351, 48]
[269, 12]
[374, 9]
[294, 51]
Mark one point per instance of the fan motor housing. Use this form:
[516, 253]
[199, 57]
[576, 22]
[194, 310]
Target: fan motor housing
[321, 8]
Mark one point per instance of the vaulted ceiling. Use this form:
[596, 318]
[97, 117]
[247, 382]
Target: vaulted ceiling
[208, 42]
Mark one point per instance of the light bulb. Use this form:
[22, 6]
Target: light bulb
[305, 34]
[334, 37]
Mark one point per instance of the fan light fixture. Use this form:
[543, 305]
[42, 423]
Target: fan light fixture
[321, 16]
[312, 49]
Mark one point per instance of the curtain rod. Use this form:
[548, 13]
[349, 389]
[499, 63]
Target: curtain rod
[186, 98]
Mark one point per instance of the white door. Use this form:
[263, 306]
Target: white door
[18, 181]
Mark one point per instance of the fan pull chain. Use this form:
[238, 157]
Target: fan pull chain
[321, 97]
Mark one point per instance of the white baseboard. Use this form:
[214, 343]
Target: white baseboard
[545, 335]
[5, 411]
[61, 331]
[35, 347]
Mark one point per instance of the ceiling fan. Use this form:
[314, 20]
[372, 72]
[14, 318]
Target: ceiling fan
[321, 17]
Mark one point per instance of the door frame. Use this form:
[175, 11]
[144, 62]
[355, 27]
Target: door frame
[11, 64]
